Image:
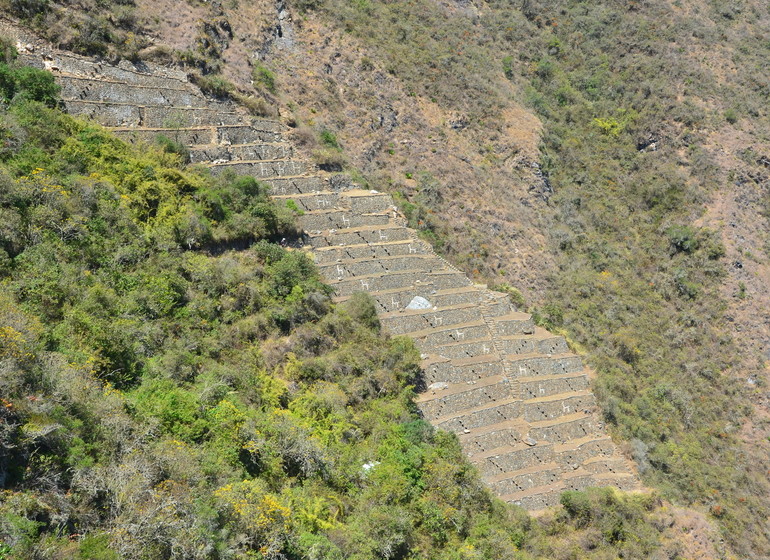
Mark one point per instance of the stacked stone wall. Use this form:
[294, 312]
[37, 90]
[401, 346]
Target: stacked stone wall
[518, 400]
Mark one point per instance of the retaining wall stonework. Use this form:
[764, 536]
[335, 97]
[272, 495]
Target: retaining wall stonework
[483, 442]
[90, 89]
[518, 400]
[253, 152]
[514, 460]
[526, 481]
[292, 185]
[470, 420]
[368, 251]
[549, 386]
[448, 372]
[121, 114]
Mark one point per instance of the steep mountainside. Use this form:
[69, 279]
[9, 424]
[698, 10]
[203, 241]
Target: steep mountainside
[174, 385]
[519, 401]
[608, 160]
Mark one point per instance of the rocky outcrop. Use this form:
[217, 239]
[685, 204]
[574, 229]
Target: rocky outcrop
[517, 398]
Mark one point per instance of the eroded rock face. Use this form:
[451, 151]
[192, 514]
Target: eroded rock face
[518, 400]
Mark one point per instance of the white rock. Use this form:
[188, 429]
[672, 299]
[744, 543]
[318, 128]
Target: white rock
[438, 386]
[419, 302]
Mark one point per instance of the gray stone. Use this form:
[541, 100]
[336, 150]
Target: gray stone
[419, 302]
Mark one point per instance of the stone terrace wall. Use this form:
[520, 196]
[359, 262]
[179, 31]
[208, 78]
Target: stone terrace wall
[518, 400]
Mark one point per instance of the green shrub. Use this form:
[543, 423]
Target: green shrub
[27, 84]
[362, 308]
[263, 77]
[731, 116]
[29, 9]
[329, 139]
[550, 316]
[173, 147]
[7, 50]
[514, 295]
[330, 159]
[578, 506]
[508, 70]
[96, 547]
[213, 85]
[93, 35]
[256, 106]
[683, 239]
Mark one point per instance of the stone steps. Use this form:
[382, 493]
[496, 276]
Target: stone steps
[249, 131]
[579, 480]
[185, 136]
[537, 498]
[536, 476]
[514, 323]
[539, 342]
[451, 389]
[606, 465]
[540, 497]
[472, 330]
[443, 370]
[415, 322]
[554, 406]
[493, 436]
[552, 385]
[397, 298]
[436, 280]
[320, 239]
[367, 202]
[471, 398]
[508, 460]
[484, 346]
[310, 202]
[126, 79]
[335, 221]
[512, 427]
[628, 482]
[565, 428]
[536, 365]
[510, 457]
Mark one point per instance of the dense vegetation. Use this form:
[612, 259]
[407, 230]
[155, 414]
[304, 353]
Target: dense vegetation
[175, 385]
[628, 105]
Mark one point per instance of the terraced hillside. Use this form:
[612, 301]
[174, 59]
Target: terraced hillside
[519, 401]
